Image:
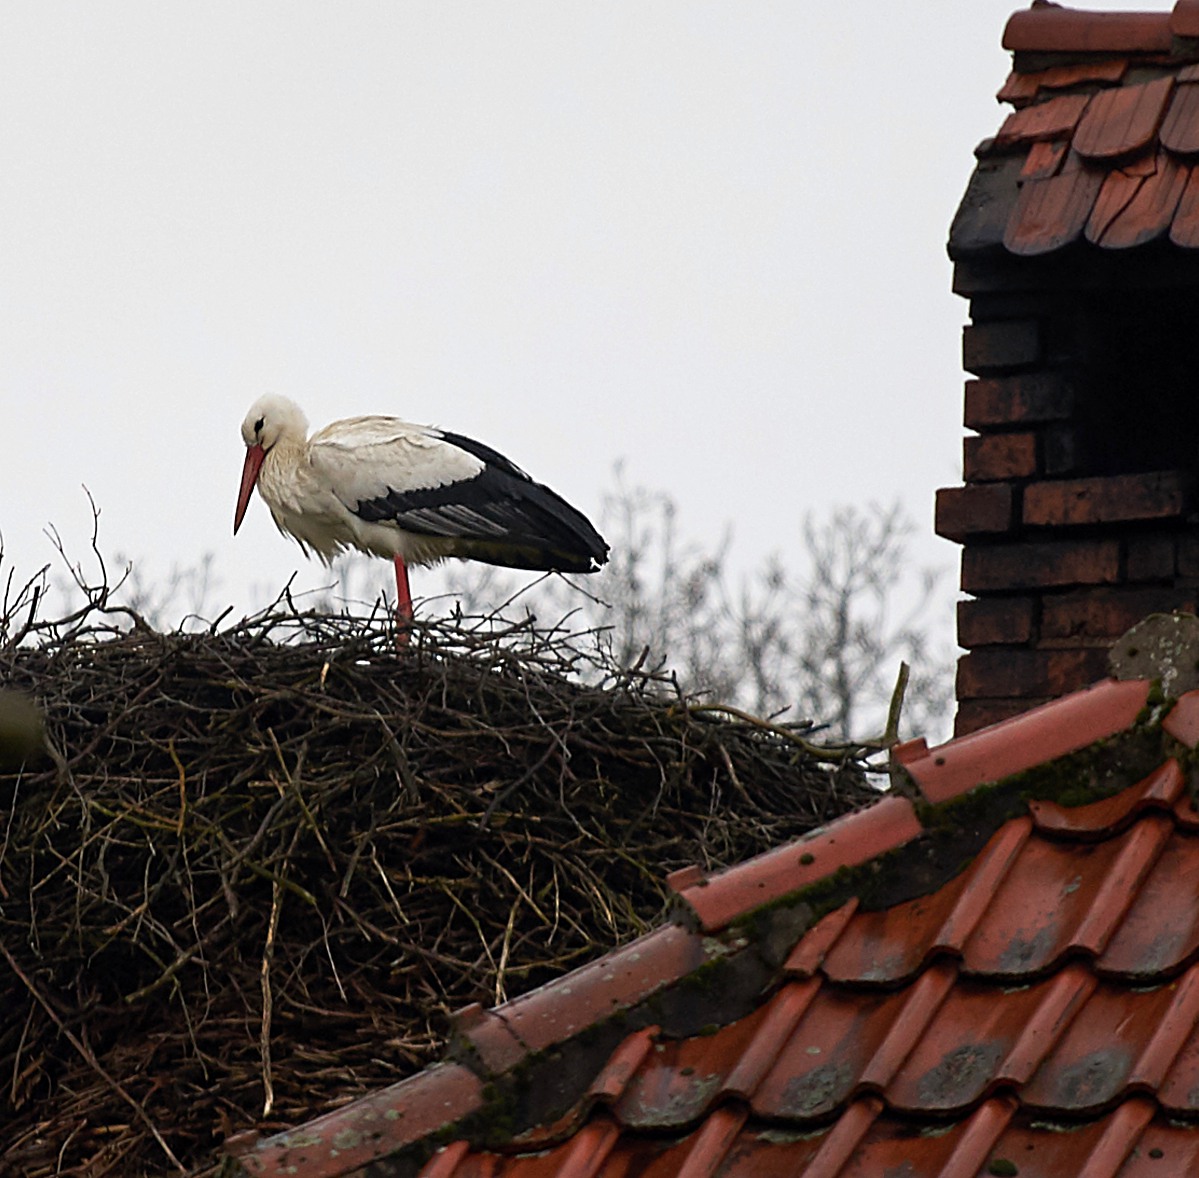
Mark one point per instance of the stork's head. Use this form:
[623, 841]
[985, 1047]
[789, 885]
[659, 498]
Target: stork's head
[271, 419]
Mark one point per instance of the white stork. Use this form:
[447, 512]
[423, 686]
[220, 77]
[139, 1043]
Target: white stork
[409, 492]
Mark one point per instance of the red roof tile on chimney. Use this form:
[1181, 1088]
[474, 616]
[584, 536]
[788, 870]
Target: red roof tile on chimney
[1184, 20]
[1184, 229]
[1049, 29]
[1122, 120]
[1046, 120]
[1180, 130]
[1052, 212]
[1124, 111]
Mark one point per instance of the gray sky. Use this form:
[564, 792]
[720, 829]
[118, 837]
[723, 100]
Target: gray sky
[707, 239]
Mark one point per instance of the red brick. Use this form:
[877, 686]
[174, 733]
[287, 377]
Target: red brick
[1017, 400]
[989, 568]
[999, 456]
[1006, 343]
[1149, 558]
[965, 511]
[1106, 613]
[974, 714]
[1010, 671]
[993, 621]
[1159, 495]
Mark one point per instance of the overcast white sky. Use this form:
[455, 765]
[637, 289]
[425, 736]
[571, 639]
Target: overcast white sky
[706, 239]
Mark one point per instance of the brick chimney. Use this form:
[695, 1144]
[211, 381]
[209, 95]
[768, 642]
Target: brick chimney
[1077, 244]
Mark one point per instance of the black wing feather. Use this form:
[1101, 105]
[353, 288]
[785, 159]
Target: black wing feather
[501, 516]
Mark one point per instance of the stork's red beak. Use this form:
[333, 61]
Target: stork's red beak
[249, 476]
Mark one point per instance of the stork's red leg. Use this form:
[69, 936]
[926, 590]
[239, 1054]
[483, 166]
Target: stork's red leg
[403, 602]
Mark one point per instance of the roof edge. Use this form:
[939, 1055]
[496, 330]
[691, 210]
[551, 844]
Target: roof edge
[679, 979]
[1047, 28]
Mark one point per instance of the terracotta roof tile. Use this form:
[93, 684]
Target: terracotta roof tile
[989, 978]
[1124, 90]
[891, 945]
[1048, 28]
[1044, 734]
[372, 1127]
[1184, 20]
[718, 899]
[866, 1143]
[1184, 229]
[1140, 206]
[502, 1037]
[1183, 721]
[1162, 789]
[1120, 121]
[1044, 159]
[1180, 130]
[1160, 930]
[1052, 212]
[1021, 88]
[983, 216]
[1053, 119]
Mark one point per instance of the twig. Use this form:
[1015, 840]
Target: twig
[90, 1059]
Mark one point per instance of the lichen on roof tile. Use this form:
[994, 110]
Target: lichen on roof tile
[931, 1001]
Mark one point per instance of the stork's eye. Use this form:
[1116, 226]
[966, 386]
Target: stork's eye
[258, 425]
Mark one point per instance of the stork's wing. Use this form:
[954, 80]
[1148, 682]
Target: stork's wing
[440, 484]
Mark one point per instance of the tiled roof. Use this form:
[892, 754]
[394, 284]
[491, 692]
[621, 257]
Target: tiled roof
[994, 970]
[1101, 147]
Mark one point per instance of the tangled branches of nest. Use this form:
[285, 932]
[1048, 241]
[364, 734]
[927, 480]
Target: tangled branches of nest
[259, 867]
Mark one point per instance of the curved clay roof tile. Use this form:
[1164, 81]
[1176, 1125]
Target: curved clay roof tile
[1122, 120]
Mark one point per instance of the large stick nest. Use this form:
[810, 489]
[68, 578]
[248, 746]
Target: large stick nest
[257, 869]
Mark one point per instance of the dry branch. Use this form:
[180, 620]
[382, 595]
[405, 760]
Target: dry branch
[264, 865]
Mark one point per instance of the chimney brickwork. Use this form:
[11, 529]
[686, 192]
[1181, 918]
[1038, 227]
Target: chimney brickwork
[1063, 548]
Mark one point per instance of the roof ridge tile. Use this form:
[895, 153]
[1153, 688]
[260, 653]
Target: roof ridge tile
[504, 1036]
[1184, 20]
[719, 899]
[1186, 814]
[1050, 29]
[352, 1136]
[1041, 734]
